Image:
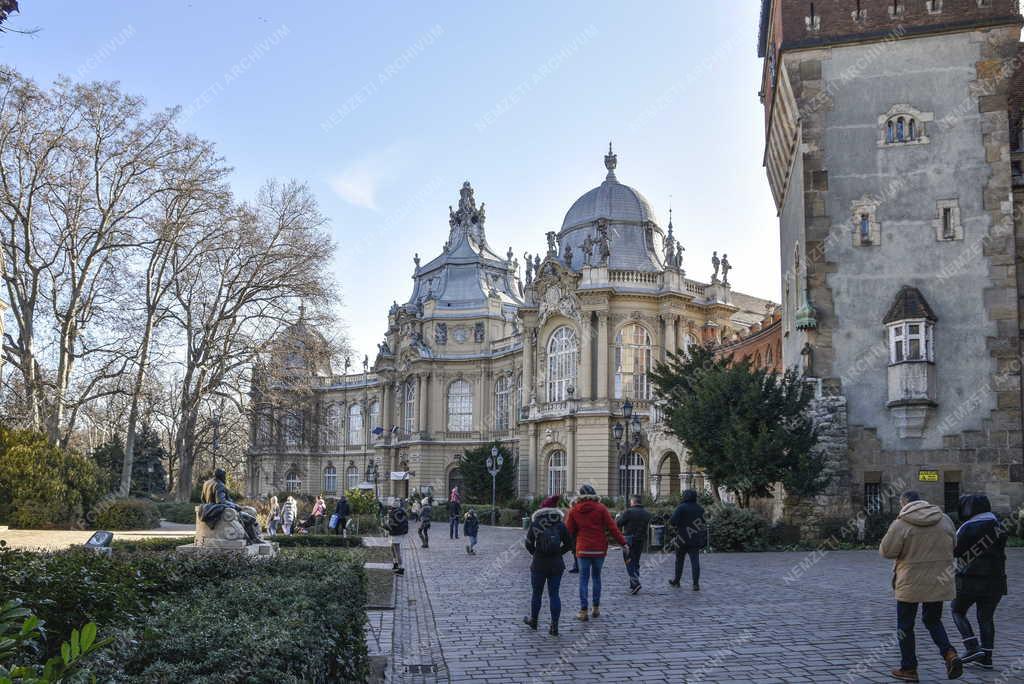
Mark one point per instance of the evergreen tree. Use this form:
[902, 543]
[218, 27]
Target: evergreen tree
[476, 480]
[148, 473]
[746, 428]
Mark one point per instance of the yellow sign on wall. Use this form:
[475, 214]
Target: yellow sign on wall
[928, 476]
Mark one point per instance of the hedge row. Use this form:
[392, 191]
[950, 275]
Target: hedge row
[177, 512]
[127, 514]
[297, 617]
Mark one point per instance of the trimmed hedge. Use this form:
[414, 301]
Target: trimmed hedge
[178, 512]
[127, 514]
[507, 517]
[316, 540]
[297, 617]
[736, 529]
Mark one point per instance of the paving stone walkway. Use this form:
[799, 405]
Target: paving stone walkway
[767, 617]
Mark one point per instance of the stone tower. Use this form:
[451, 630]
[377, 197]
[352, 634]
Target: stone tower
[888, 152]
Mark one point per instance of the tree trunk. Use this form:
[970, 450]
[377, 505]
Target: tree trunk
[133, 412]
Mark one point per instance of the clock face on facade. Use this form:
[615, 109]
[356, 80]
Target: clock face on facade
[461, 335]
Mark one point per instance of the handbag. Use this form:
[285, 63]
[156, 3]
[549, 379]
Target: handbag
[334, 521]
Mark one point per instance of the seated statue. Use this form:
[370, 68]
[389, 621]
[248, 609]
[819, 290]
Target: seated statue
[219, 508]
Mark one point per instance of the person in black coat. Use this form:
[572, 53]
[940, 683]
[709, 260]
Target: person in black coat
[691, 536]
[343, 511]
[547, 540]
[980, 577]
[634, 522]
[454, 514]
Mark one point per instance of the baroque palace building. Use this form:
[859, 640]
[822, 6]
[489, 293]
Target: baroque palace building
[893, 151]
[547, 364]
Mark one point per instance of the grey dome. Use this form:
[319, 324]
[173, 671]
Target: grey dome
[611, 200]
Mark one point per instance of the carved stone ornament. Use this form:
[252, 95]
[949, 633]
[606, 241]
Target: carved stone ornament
[461, 334]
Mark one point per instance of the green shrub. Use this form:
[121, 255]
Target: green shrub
[177, 511]
[783, 534]
[317, 540]
[506, 517]
[43, 487]
[366, 525]
[361, 502]
[876, 525]
[731, 528]
[149, 544]
[127, 514]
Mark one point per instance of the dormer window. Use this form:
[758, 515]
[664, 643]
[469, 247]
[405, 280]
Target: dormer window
[910, 341]
[933, 6]
[812, 21]
[903, 125]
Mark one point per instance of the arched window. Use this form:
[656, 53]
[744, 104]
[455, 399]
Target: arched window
[768, 356]
[351, 477]
[355, 424]
[335, 420]
[910, 130]
[757, 360]
[899, 129]
[632, 362]
[890, 135]
[292, 483]
[502, 403]
[631, 474]
[292, 429]
[455, 479]
[460, 406]
[562, 358]
[409, 408]
[903, 124]
[375, 415]
[330, 479]
[557, 472]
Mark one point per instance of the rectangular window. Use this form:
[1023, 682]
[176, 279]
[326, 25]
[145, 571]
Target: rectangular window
[897, 344]
[947, 223]
[951, 496]
[872, 497]
[914, 342]
[865, 228]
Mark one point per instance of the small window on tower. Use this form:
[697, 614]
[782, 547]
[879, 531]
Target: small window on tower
[933, 6]
[865, 229]
[903, 125]
[947, 221]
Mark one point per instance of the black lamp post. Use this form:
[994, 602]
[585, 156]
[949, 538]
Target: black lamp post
[494, 463]
[632, 424]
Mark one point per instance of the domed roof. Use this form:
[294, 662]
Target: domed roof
[613, 201]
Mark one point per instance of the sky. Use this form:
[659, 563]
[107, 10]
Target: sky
[384, 109]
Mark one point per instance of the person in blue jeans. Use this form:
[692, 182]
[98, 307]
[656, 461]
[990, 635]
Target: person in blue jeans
[454, 515]
[471, 529]
[590, 523]
[547, 540]
[634, 522]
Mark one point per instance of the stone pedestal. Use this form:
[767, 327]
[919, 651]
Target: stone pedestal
[227, 537]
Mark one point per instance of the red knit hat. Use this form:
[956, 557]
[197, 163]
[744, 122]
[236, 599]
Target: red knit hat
[551, 501]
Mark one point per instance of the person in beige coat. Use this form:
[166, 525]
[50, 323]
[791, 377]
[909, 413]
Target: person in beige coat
[920, 541]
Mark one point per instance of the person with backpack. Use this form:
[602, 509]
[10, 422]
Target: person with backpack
[397, 525]
[454, 514]
[471, 529]
[634, 522]
[590, 523]
[980, 554]
[426, 514]
[691, 536]
[547, 540]
[341, 513]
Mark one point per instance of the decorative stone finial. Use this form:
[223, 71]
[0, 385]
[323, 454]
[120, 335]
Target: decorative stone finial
[610, 162]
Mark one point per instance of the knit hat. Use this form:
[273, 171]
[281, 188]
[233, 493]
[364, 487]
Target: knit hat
[551, 501]
[587, 490]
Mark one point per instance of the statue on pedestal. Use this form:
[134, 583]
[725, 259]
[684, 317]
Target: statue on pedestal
[715, 262]
[223, 516]
[725, 269]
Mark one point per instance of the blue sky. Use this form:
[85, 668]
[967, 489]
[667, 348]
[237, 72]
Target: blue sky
[385, 109]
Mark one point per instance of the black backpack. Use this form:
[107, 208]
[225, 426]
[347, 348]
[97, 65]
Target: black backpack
[398, 521]
[548, 541]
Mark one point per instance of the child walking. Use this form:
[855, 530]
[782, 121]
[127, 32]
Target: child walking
[471, 528]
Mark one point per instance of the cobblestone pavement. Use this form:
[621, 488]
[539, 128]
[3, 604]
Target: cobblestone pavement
[759, 618]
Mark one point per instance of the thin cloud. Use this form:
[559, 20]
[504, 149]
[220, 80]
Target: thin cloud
[360, 182]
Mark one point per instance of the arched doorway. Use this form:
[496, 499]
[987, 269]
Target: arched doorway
[669, 479]
[454, 480]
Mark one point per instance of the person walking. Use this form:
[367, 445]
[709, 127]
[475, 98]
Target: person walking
[289, 512]
[980, 553]
[426, 514]
[547, 540]
[590, 523]
[273, 516]
[691, 536]
[634, 522]
[397, 525]
[471, 530]
[454, 514]
[415, 511]
[342, 510]
[920, 542]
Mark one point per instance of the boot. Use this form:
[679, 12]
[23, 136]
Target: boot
[531, 623]
[673, 583]
[399, 571]
[469, 550]
[972, 650]
[905, 675]
[583, 616]
[954, 668]
[696, 586]
[553, 629]
[985, 661]
[595, 612]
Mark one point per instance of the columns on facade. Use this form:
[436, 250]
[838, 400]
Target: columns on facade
[529, 344]
[583, 380]
[532, 457]
[388, 399]
[670, 334]
[602, 355]
[421, 403]
[570, 456]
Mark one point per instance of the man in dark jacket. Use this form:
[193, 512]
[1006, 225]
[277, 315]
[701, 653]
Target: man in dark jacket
[547, 540]
[342, 510]
[426, 515]
[634, 522]
[454, 514]
[980, 554]
[691, 536]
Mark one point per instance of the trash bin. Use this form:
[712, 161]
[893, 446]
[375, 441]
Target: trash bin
[657, 536]
[526, 522]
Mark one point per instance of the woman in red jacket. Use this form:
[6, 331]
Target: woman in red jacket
[590, 523]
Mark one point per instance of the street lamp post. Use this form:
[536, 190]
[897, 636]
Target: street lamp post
[494, 462]
[632, 424]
